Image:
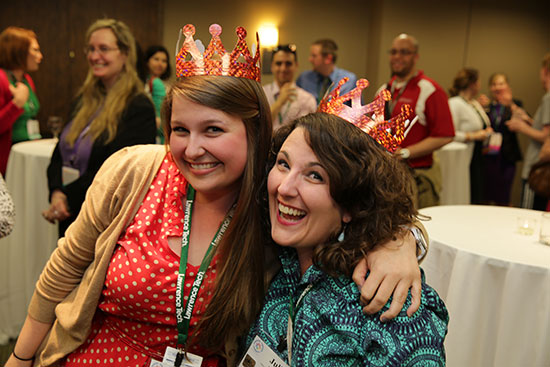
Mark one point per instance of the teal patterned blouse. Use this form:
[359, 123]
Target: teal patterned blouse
[330, 328]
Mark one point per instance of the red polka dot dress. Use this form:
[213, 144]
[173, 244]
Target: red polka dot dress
[136, 319]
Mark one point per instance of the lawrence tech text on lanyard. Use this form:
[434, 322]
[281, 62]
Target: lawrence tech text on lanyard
[183, 313]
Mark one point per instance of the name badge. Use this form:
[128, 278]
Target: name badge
[494, 144]
[169, 359]
[260, 354]
[33, 129]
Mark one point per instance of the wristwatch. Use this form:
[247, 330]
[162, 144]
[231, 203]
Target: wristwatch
[405, 153]
[421, 245]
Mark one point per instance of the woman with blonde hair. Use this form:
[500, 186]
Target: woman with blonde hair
[19, 54]
[110, 113]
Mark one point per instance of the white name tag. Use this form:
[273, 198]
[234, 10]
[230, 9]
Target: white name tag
[261, 355]
[33, 129]
[169, 359]
[155, 363]
[69, 175]
[495, 142]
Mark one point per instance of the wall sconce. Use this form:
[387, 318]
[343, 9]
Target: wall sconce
[269, 38]
[269, 35]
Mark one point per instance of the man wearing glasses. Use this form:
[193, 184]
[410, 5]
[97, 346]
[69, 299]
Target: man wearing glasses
[325, 75]
[287, 101]
[434, 127]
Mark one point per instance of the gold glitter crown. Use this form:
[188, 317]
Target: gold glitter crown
[369, 117]
[215, 60]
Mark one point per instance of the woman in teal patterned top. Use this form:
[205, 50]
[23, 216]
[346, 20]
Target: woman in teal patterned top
[335, 194]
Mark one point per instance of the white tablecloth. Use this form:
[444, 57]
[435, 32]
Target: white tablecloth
[25, 251]
[495, 283]
[455, 171]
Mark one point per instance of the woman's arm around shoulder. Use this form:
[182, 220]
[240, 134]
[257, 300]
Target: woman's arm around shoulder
[393, 270]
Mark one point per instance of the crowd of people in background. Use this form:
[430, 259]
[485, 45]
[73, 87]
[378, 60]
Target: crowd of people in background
[491, 127]
[110, 199]
[488, 125]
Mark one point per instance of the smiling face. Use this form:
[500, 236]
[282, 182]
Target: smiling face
[106, 60]
[498, 85]
[157, 64]
[403, 57]
[283, 67]
[303, 214]
[209, 147]
[34, 57]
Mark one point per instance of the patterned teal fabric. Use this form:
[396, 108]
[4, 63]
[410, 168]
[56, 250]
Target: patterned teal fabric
[330, 328]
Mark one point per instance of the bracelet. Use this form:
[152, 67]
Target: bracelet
[22, 359]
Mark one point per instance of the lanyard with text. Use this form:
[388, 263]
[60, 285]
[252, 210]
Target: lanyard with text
[292, 311]
[183, 313]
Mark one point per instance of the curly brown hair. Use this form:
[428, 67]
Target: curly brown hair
[366, 181]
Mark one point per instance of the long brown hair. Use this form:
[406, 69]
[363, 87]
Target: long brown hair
[367, 182]
[93, 94]
[239, 288]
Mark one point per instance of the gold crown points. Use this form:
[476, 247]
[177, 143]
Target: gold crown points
[216, 61]
[369, 117]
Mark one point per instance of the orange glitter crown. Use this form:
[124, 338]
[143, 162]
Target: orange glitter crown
[215, 60]
[369, 117]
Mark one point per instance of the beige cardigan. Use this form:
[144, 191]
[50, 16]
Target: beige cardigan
[69, 288]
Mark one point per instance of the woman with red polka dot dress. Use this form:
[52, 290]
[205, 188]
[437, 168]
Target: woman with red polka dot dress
[167, 258]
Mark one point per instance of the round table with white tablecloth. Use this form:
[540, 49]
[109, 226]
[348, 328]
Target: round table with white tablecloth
[26, 250]
[495, 282]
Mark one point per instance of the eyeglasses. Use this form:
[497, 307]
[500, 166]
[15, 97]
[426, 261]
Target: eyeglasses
[102, 50]
[286, 48]
[402, 52]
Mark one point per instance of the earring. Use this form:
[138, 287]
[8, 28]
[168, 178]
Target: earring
[341, 235]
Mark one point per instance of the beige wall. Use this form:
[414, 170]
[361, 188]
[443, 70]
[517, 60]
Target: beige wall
[299, 22]
[490, 35]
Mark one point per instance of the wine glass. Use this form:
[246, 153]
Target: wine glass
[55, 124]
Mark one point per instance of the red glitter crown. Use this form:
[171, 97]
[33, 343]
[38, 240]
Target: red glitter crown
[216, 61]
[369, 117]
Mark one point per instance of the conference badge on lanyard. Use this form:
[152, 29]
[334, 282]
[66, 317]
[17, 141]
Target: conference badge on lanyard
[174, 357]
[259, 354]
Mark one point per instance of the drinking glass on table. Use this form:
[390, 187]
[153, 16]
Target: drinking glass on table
[55, 125]
[526, 225]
